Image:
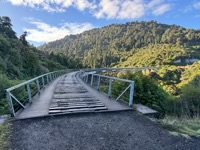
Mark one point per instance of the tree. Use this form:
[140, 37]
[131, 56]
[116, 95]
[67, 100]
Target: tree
[6, 27]
[5, 22]
[23, 38]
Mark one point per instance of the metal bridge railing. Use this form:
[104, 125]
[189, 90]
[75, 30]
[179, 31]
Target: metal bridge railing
[20, 95]
[120, 89]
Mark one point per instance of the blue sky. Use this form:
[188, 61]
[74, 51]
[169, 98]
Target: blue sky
[49, 20]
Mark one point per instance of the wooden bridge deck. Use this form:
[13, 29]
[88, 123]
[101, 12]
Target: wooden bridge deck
[68, 94]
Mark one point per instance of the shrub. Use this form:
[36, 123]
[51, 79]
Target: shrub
[147, 91]
[191, 97]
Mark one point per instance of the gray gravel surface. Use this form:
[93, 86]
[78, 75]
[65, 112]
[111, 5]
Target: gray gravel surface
[125, 130]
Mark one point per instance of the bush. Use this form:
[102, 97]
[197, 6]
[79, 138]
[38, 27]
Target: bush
[4, 83]
[147, 91]
[191, 97]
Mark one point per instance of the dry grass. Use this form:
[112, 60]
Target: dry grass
[4, 135]
[183, 126]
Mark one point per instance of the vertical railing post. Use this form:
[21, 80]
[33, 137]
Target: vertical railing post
[29, 92]
[131, 94]
[87, 79]
[11, 108]
[38, 86]
[99, 81]
[43, 84]
[110, 87]
[92, 79]
[47, 78]
[50, 77]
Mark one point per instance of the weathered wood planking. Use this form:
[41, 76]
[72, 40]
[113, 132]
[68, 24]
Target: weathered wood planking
[70, 96]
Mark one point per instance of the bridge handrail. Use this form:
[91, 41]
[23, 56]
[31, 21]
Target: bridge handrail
[31, 80]
[137, 68]
[114, 78]
[12, 98]
[85, 77]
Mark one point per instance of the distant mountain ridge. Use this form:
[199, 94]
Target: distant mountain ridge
[104, 46]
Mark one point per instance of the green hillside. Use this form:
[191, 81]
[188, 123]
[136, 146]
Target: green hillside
[160, 54]
[106, 46]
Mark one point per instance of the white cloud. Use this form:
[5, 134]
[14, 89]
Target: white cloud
[107, 9]
[130, 9]
[110, 9]
[154, 3]
[196, 5]
[161, 9]
[44, 32]
[54, 5]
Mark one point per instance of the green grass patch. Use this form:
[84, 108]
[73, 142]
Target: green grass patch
[183, 126]
[5, 129]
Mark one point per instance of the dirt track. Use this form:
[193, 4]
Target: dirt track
[125, 130]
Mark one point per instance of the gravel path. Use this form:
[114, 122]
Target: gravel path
[125, 130]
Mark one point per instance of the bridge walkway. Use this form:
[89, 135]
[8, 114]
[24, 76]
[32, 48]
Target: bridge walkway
[69, 94]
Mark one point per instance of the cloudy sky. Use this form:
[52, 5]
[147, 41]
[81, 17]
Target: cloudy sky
[49, 20]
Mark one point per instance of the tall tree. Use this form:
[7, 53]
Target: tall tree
[23, 38]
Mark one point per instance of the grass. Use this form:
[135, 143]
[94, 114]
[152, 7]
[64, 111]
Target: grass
[183, 126]
[4, 135]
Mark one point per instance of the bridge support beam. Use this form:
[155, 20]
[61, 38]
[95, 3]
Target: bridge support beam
[110, 88]
[29, 93]
[43, 84]
[47, 79]
[92, 79]
[99, 81]
[87, 79]
[11, 108]
[131, 94]
[38, 86]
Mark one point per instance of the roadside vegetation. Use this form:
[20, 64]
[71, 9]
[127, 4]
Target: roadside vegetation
[4, 135]
[174, 91]
[182, 125]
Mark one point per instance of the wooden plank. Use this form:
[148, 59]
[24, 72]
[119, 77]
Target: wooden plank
[76, 99]
[72, 97]
[73, 107]
[78, 110]
[69, 104]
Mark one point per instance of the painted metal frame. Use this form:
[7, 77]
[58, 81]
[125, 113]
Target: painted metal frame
[49, 77]
[85, 77]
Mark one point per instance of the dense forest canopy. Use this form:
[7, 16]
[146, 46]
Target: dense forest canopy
[20, 61]
[105, 46]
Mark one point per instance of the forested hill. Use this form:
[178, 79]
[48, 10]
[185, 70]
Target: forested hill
[20, 60]
[101, 47]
